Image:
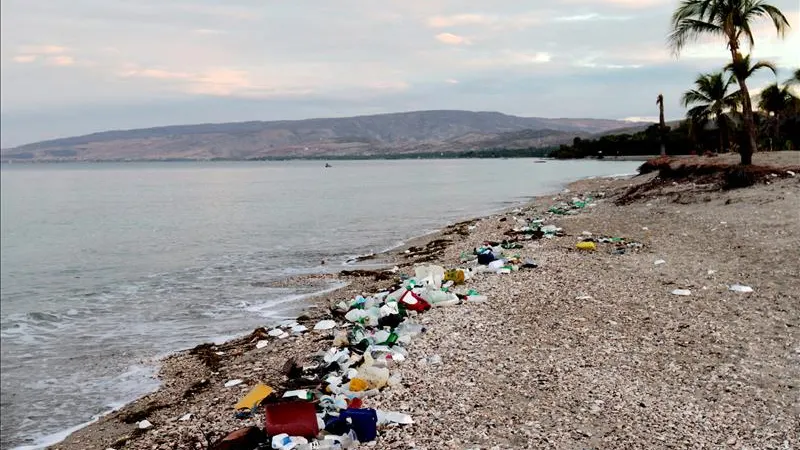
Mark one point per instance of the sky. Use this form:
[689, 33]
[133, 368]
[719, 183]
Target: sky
[81, 66]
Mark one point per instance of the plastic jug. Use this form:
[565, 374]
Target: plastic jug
[364, 423]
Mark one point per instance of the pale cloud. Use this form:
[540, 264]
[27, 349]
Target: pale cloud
[528, 58]
[495, 22]
[451, 81]
[61, 60]
[215, 82]
[588, 17]
[397, 86]
[23, 59]
[507, 58]
[451, 39]
[158, 74]
[632, 4]
[44, 49]
[592, 63]
[640, 119]
[207, 31]
[460, 20]
[221, 82]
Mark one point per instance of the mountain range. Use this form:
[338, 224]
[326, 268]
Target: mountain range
[382, 134]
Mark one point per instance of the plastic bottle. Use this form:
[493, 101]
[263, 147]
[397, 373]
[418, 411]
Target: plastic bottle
[320, 445]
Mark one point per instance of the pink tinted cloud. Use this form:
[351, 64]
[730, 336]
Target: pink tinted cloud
[451, 39]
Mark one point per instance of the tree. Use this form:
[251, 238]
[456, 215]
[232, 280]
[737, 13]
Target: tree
[733, 21]
[776, 100]
[662, 126]
[712, 102]
[742, 69]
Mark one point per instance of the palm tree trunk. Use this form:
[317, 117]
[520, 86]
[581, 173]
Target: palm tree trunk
[778, 130]
[726, 140]
[661, 125]
[749, 145]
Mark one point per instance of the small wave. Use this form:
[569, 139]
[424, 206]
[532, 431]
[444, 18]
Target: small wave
[44, 317]
[622, 175]
[44, 441]
[266, 309]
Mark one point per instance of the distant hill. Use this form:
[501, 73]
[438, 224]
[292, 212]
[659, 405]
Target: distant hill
[397, 133]
[635, 127]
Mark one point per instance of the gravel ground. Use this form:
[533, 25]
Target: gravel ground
[590, 350]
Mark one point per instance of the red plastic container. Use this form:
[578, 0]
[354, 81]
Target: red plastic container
[292, 418]
[414, 302]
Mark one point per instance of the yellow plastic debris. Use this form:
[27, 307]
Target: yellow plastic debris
[358, 385]
[454, 275]
[254, 397]
[590, 246]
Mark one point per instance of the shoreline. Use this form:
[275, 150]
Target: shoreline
[410, 157]
[93, 436]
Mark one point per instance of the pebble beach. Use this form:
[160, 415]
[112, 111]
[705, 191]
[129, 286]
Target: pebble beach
[591, 349]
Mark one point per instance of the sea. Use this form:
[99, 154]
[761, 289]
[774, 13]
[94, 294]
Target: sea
[107, 267]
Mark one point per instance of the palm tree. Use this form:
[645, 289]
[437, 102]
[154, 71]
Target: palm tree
[742, 69]
[661, 125]
[776, 100]
[731, 20]
[712, 102]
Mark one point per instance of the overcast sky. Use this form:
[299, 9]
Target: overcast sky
[79, 66]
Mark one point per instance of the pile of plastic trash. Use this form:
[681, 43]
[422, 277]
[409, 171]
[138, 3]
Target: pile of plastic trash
[492, 257]
[619, 246]
[328, 410]
[536, 229]
[574, 207]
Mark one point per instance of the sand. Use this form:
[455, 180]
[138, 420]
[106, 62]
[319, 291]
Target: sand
[590, 350]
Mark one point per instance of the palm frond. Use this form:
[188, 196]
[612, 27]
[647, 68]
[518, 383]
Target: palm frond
[689, 30]
[763, 65]
[743, 69]
[698, 114]
[733, 100]
[761, 9]
[694, 97]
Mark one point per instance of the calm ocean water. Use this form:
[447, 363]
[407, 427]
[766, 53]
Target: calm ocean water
[106, 267]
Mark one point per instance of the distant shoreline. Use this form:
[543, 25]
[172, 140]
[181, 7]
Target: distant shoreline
[329, 159]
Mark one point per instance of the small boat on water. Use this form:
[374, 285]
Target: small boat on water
[327, 165]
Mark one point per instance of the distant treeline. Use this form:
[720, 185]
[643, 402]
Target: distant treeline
[647, 142]
[486, 153]
[775, 133]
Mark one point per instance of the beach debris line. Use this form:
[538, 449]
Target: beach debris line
[574, 207]
[325, 403]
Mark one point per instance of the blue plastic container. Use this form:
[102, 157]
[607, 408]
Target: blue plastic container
[364, 423]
